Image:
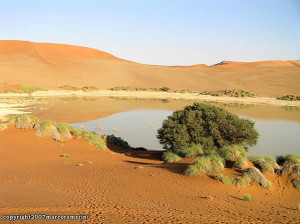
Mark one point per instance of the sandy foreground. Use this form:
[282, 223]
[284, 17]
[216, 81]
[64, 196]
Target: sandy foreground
[154, 95]
[119, 186]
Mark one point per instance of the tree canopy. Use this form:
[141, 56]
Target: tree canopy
[212, 127]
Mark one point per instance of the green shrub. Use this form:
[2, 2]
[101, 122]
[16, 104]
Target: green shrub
[298, 207]
[289, 98]
[232, 93]
[191, 151]
[164, 89]
[205, 164]
[170, 157]
[69, 87]
[30, 89]
[210, 126]
[247, 197]
[112, 139]
[288, 159]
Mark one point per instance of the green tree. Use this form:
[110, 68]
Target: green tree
[211, 126]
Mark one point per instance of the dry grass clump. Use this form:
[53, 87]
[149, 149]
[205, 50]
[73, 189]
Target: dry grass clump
[290, 164]
[241, 163]
[95, 139]
[263, 166]
[30, 89]
[272, 161]
[48, 129]
[89, 88]
[194, 150]
[205, 164]
[230, 92]
[187, 91]
[69, 87]
[3, 126]
[239, 181]
[22, 121]
[243, 181]
[64, 129]
[170, 157]
[255, 175]
[232, 153]
[134, 88]
[225, 179]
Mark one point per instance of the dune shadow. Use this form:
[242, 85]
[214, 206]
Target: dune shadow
[177, 168]
[288, 208]
[236, 197]
[140, 154]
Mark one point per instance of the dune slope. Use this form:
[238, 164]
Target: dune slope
[119, 186]
[52, 65]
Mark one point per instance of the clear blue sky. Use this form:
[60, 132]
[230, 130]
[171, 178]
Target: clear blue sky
[165, 32]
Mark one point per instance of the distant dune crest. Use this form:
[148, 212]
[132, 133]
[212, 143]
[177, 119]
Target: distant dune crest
[233, 64]
[52, 65]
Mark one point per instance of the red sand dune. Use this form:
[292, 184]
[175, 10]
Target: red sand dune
[52, 65]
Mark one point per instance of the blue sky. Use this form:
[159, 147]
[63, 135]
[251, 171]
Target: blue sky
[163, 32]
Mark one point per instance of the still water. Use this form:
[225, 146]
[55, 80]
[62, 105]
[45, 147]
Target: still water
[139, 128]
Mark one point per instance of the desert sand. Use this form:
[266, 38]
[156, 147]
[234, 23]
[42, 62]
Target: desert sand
[119, 186]
[53, 65]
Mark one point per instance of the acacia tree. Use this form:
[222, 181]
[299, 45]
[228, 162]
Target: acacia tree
[212, 127]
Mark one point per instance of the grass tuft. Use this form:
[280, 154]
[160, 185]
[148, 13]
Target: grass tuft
[247, 197]
[95, 139]
[232, 153]
[64, 129]
[48, 129]
[205, 164]
[241, 163]
[170, 157]
[65, 155]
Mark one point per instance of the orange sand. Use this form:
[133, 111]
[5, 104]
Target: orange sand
[132, 188]
[53, 65]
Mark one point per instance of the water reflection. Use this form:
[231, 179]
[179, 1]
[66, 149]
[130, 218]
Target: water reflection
[140, 127]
